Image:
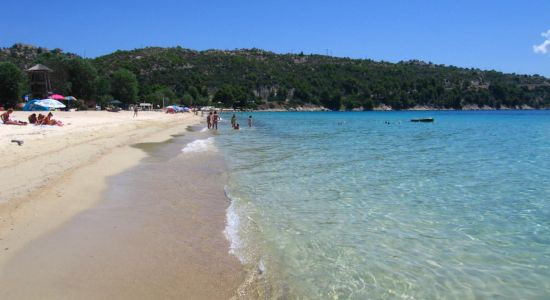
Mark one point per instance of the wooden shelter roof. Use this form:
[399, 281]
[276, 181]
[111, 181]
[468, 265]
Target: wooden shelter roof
[40, 67]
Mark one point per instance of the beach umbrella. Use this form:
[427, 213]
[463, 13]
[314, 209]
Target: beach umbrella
[69, 98]
[31, 105]
[49, 103]
[115, 102]
[57, 97]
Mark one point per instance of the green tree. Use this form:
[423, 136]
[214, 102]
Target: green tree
[282, 94]
[124, 86]
[11, 81]
[204, 91]
[194, 93]
[157, 93]
[83, 78]
[498, 91]
[104, 99]
[224, 96]
[332, 101]
[302, 93]
[169, 94]
[351, 103]
[243, 97]
[103, 86]
[358, 82]
[187, 99]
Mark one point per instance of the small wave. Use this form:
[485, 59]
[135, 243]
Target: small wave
[256, 281]
[200, 146]
[231, 230]
[205, 129]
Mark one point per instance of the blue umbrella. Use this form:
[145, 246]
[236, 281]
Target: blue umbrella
[32, 105]
[50, 103]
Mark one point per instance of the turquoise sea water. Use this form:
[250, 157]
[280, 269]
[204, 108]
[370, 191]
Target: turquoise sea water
[346, 206]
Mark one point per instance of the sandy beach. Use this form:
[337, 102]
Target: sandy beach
[62, 173]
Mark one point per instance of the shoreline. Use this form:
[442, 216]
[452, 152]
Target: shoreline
[81, 167]
[389, 108]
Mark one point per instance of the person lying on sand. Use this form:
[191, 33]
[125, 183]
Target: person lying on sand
[40, 119]
[49, 121]
[32, 119]
[6, 119]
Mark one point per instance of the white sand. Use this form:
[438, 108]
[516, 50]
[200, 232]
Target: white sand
[60, 171]
[48, 151]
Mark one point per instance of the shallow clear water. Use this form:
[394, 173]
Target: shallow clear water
[344, 205]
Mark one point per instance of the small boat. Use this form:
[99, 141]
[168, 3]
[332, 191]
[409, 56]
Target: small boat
[425, 120]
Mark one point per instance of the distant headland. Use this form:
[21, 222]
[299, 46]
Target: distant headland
[258, 79]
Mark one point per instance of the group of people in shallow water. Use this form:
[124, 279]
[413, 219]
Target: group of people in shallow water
[213, 118]
[236, 125]
[39, 119]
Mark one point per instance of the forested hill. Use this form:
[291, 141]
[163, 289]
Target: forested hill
[253, 77]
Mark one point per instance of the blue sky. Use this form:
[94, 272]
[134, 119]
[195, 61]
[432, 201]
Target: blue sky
[486, 34]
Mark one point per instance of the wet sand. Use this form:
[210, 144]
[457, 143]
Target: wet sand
[157, 233]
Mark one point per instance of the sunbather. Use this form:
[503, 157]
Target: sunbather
[40, 119]
[49, 121]
[6, 119]
[32, 119]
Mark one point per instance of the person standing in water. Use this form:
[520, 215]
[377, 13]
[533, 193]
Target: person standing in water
[215, 119]
[233, 121]
[209, 120]
[249, 121]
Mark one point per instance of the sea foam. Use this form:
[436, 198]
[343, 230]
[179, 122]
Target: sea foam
[200, 146]
[231, 230]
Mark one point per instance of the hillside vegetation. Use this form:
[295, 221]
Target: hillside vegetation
[255, 78]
